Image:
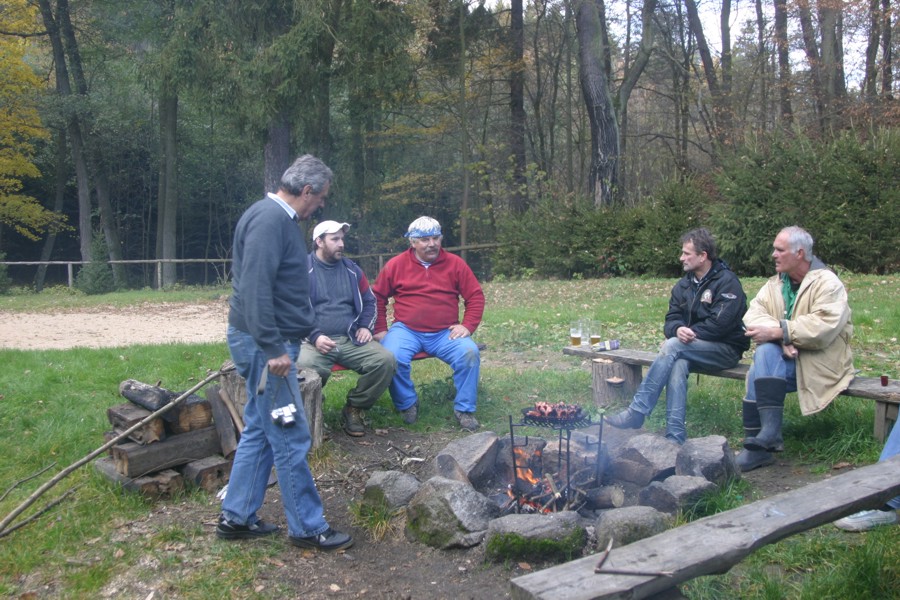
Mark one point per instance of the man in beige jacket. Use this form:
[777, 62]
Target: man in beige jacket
[800, 321]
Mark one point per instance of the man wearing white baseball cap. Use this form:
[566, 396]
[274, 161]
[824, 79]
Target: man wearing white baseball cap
[345, 318]
[426, 283]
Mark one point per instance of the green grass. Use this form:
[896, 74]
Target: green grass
[52, 411]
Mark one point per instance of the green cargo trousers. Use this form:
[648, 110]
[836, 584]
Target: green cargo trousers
[374, 363]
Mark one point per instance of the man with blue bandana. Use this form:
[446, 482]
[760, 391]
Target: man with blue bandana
[426, 283]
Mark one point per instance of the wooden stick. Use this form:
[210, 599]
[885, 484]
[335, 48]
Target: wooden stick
[635, 573]
[21, 481]
[232, 409]
[604, 556]
[35, 516]
[83, 461]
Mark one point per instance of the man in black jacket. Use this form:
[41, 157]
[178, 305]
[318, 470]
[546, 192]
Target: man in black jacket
[703, 330]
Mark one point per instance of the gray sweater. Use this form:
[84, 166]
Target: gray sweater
[270, 298]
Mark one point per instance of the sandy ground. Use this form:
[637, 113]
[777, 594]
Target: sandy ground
[102, 327]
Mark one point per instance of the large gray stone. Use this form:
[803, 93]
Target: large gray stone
[709, 457]
[535, 537]
[446, 513]
[675, 493]
[475, 454]
[629, 524]
[393, 489]
[645, 458]
[446, 466]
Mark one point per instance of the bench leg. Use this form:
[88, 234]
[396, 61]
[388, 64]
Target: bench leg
[614, 383]
[885, 419]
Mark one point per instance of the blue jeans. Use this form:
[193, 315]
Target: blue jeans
[461, 354]
[670, 370]
[892, 448]
[769, 361]
[264, 443]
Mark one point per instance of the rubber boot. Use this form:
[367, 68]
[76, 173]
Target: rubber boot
[770, 392]
[747, 460]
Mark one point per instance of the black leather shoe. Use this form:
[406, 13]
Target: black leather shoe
[227, 530]
[627, 419]
[328, 541]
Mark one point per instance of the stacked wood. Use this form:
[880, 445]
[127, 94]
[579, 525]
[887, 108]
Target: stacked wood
[193, 444]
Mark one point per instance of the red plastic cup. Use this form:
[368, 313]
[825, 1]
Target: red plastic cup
[884, 380]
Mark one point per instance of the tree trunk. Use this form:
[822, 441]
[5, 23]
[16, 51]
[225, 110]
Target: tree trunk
[633, 70]
[277, 152]
[595, 90]
[782, 49]
[887, 60]
[519, 196]
[721, 102]
[812, 57]
[59, 198]
[167, 212]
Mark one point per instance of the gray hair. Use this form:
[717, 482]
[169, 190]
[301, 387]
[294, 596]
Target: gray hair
[799, 239]
[306, 171]
[703, 241]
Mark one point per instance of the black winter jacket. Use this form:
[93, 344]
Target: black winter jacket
[712, 308]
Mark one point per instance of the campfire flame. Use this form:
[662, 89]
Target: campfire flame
[529, 492]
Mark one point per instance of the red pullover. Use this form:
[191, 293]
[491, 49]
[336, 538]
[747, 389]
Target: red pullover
[427, 299]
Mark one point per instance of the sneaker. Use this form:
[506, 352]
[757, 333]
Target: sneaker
[229, 530]
[867, 519]
[352, 421]
[627, 419]
[411, 414]
[466, 420]
[328, 541]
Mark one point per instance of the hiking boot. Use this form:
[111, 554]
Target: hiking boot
[627, 419]
[411, 414]
[352, 421]
[867, 519]
[229, 530]
[327, 541]
[466, 420]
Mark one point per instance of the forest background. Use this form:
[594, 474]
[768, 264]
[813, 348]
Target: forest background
[563, 138]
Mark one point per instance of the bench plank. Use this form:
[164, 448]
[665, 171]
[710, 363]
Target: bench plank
[716, 543]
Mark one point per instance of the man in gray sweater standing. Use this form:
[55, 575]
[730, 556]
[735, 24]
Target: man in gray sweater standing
[269, 314]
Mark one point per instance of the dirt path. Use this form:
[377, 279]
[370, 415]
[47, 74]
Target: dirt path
[104, 326]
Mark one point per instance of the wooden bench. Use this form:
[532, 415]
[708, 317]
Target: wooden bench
[617, 374]
[712, 545]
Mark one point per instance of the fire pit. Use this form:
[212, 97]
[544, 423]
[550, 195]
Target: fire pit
[533, 491]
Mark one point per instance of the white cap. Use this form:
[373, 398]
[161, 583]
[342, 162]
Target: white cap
[423, 227]
[326, 227]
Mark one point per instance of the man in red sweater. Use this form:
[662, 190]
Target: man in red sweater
[426, 283]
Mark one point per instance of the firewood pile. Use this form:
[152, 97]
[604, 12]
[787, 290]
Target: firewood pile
[191, 445]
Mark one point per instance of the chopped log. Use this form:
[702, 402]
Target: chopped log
[310, 390]
[613, 383]
[134, 460]
[192, 414]
[123, 416]
[163, 484]
[232, 409]
[195, 413]
[608, 496]
[223, 421]
[209, 474]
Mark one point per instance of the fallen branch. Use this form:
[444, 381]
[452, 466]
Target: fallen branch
[35, 516]
[29, 478]
[83, 461]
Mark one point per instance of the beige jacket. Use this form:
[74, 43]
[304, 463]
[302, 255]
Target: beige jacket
[820, 329]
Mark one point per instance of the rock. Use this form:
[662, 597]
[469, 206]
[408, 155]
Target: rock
[392, 489]
[709, 457]
[475, 454]
[645, 458]
[553, 537]
[675, 493]
[448, 514]
[446, 466]
[629, 524]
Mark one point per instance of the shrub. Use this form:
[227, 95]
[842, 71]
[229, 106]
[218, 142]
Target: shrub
[96, 277]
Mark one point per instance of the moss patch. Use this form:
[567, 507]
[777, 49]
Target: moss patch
[512, 546]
